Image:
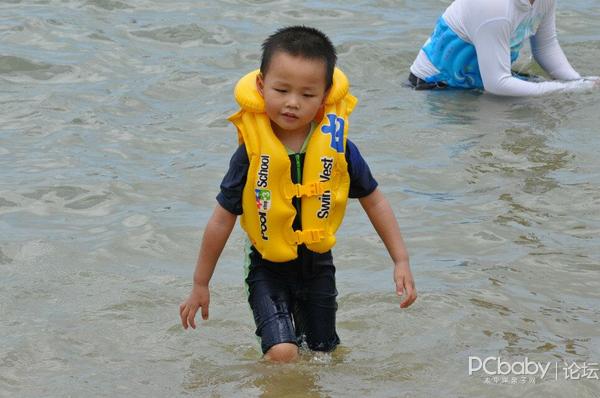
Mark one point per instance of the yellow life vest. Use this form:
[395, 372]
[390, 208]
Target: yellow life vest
[268, 212]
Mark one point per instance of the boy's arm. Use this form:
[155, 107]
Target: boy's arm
[382, 217]
[215, 236]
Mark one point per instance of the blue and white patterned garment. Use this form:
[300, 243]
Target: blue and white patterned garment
[475, 42]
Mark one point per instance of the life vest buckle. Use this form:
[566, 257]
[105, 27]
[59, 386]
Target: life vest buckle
[311, 189]
[309, 236]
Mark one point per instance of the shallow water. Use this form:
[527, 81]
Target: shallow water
[113, 141]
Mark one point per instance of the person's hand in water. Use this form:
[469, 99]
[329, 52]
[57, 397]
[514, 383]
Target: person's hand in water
[405, 284]
[199, 298]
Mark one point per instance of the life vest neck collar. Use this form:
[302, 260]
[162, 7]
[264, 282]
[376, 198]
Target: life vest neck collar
[247, 95]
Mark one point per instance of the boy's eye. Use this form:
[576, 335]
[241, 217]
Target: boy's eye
[309, 95]
[280, 90]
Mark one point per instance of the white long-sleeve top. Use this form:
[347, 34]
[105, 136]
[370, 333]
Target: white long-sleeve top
[492, 26]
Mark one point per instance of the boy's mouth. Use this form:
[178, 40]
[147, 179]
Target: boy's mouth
[289, 115]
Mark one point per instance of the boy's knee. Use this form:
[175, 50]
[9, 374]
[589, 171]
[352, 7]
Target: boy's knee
[282, 352]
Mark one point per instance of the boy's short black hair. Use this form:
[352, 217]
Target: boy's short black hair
[301, 41]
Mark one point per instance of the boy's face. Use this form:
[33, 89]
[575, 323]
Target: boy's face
[294, 90]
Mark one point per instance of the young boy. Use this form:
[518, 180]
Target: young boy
[289, 180]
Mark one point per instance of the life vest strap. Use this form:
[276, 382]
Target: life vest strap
[308, 236]
[311, 189]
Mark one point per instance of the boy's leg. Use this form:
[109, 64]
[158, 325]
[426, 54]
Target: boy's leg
[315, 307]
[282, 352]
[271, 302]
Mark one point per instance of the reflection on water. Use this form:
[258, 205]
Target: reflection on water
[301, 379]
[288, 381]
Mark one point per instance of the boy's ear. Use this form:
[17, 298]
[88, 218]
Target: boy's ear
[325, 96]
[260, 84]
[321, 112]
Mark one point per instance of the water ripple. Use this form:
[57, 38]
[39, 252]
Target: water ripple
[182, 34]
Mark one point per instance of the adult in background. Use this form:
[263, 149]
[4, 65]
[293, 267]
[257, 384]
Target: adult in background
[475, 42]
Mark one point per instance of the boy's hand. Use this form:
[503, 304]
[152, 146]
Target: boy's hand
[199, 298]
[405, 284]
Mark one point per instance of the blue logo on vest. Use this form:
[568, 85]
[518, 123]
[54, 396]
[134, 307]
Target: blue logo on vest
[336, 129]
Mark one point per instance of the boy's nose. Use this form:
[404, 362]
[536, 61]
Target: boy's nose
[292, 102]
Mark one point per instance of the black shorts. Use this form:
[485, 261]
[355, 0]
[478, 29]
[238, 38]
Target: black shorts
[294, 301]
[420, 84]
